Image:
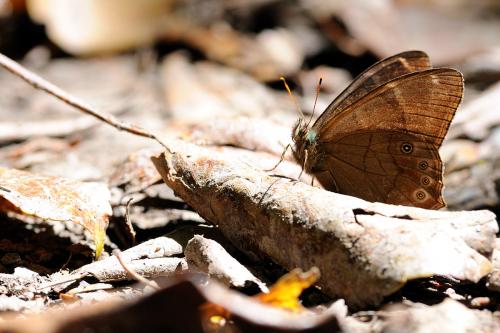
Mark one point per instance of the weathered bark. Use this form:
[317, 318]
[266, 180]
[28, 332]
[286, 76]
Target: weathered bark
[365, 251]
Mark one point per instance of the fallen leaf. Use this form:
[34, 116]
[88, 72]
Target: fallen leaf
[57, 199]
[286, 291]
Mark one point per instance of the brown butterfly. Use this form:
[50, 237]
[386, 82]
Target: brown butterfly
[379, 139]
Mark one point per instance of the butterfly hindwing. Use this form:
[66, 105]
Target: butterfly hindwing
[385, 166]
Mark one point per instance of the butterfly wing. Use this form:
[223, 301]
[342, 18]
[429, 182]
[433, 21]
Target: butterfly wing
[421, 103]
[381, 72]
[384, 166]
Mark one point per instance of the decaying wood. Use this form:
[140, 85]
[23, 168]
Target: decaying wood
[210, 257]
[365, 251]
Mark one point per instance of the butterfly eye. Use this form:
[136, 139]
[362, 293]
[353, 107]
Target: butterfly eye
[420, 195]
[423, 165]
[406, 148]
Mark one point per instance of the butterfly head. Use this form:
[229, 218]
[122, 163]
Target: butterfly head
[305, 139]
[302, 132]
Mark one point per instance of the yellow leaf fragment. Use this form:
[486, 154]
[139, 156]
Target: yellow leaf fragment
[57, 199]
[286, 291]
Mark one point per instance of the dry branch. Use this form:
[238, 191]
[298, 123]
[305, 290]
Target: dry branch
[210, 257]
[365, 251]
[149, 259]
[51, 89]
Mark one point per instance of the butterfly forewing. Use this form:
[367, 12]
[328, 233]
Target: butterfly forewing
[421, 103]
[384, 166]
[378, 74]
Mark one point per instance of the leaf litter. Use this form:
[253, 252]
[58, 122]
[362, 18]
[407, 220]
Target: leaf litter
[378, 253]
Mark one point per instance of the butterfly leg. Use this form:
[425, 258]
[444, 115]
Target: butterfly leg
[304, 164]
[281, 159]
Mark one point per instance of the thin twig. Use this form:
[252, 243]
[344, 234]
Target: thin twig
[133, 274]
[39, 83]
[70, 278]
[128, 222]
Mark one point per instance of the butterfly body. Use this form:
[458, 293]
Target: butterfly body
[379, 139]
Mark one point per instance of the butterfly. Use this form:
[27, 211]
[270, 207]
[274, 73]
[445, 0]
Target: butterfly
[379, 139]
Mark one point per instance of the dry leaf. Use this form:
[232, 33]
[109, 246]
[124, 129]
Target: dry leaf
[57, 199]
[286, 291]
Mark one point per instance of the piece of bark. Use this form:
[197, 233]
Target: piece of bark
[210, 257]
[448, 316]
[364, 250]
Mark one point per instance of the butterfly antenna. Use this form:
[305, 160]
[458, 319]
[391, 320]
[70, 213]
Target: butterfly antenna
[318, 88]
[292, 97]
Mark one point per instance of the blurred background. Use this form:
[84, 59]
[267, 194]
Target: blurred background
[265, 38]
[173, 64]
